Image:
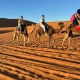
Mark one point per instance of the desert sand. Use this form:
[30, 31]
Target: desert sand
[29, 62]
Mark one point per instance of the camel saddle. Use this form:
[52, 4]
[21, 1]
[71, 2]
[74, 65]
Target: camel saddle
[22, 28]
[47, 27]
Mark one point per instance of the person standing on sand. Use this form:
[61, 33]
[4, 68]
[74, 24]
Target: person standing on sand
[20, 23]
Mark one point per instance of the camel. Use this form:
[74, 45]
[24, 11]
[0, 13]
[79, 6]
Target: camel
[69, 33]
[50, 32]
[24, 33]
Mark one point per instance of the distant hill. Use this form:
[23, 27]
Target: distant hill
[4, 22]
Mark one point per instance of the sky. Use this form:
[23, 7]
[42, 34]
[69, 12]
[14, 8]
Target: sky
[54, 10]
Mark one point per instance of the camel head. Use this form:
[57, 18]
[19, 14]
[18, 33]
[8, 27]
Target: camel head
[61, 25]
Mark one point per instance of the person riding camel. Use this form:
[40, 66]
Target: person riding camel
[43, 24]
[20, 23]
[75, 19]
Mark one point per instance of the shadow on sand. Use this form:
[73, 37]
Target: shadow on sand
[5, 31]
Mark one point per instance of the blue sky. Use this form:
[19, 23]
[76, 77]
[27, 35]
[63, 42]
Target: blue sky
[54, 10]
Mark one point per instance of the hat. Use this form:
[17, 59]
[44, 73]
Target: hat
[42, 15]
[78, 11]
[21, 16]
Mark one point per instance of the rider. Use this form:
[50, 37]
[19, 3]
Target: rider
[20, 23]
[75, 18]
[42, 23]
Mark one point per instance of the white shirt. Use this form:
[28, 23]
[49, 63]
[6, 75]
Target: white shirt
[42, 20]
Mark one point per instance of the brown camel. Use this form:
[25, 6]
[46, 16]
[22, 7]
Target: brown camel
[24, 33]
[69, 32]
[50, 32]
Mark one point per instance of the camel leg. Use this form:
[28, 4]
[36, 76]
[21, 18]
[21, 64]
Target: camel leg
[66, 35]
[38, 39]
[27, 40]
[74, 48]
[70, 42]
[17, 39]
[24, 37]
[14, 37]
[49, 40]
[53, 41]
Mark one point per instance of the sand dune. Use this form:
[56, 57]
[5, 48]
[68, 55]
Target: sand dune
[39, 63]
[4, 22]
